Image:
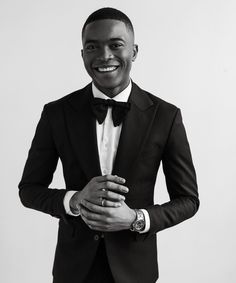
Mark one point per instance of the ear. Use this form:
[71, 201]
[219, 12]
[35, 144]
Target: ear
[135, 52]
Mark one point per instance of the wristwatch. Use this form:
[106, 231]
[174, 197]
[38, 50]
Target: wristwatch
[139, 223]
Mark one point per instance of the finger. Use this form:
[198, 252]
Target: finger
[96, 199]
[112, 178]
[108, 203]
[90, 215]
[100, 228]
[95, 225]
[109, 195]
[93, 207]
[107, 199]
[111, 186]
[87, 221]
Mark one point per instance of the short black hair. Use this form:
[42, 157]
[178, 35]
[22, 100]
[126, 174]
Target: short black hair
[108, 13]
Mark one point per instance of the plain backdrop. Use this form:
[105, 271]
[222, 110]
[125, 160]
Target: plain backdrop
[187, 56]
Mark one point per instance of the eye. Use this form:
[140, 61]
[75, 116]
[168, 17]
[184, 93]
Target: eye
[116, 45]
[90, 47]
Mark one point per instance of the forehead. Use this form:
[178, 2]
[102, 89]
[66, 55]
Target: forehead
[103, 30]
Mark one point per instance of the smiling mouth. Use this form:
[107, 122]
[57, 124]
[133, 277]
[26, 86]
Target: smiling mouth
[106, 69]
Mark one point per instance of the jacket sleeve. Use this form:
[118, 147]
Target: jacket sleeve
[180, 180]
[38, 173]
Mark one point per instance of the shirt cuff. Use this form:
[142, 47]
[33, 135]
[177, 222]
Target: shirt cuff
[147, 221]
[66, 203]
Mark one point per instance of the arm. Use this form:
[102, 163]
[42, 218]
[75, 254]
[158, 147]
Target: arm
[38, 173]
[181, 185]
[180, 180]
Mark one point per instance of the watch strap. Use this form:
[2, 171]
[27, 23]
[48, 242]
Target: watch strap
[139, 223]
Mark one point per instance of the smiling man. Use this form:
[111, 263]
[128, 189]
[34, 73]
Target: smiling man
[111, 137]
[108, 53]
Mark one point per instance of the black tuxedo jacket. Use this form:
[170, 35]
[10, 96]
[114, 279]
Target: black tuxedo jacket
[152, 132]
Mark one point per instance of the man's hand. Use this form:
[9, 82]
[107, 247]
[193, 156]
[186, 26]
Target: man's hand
[107, 219]
[103, 190]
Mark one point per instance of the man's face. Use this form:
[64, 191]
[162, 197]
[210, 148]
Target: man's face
[108, 52]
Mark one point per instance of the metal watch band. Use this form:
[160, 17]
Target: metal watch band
[139, 223]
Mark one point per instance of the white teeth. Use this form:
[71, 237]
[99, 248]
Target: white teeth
[107, 69]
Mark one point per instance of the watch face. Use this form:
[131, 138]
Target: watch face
[139, 225]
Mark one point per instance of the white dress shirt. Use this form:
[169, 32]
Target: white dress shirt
[107, 140]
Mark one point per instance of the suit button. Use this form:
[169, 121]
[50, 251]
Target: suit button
[96, 237]
[102, 235]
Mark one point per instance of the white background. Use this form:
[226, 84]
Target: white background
[188, 57]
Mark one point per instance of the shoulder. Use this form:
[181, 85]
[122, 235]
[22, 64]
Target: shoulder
[77, 95]
[163, 106]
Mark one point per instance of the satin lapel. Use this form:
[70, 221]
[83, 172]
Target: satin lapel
[82, 131]
[134, 132]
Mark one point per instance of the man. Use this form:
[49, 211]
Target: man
[111, 137]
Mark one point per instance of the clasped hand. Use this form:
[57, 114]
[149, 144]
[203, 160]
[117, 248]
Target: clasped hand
[102, 205]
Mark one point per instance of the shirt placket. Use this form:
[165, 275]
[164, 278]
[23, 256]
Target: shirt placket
[106, 145]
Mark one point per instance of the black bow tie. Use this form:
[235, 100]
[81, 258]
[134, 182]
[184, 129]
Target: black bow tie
[119, 110]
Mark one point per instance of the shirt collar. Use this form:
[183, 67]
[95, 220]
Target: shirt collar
[121, 97]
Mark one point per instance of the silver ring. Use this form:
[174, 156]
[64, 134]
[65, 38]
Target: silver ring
[103, 200]
[103, 189]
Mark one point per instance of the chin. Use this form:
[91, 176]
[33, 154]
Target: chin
[107, 85]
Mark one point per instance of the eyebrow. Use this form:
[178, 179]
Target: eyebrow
[111, 39]
[117, 39]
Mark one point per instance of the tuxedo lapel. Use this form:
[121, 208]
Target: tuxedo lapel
[82, 131]
[134, 132]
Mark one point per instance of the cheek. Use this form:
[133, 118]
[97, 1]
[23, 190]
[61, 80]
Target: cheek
[128, 64]
[88, 58]
[127, 59]
[86, 65]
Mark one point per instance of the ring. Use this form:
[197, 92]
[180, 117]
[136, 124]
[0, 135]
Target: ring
[103, 200]
[103, 189]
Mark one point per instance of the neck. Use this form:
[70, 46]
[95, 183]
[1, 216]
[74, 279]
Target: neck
[112, 92]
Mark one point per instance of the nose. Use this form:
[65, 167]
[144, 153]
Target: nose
[106, 53]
